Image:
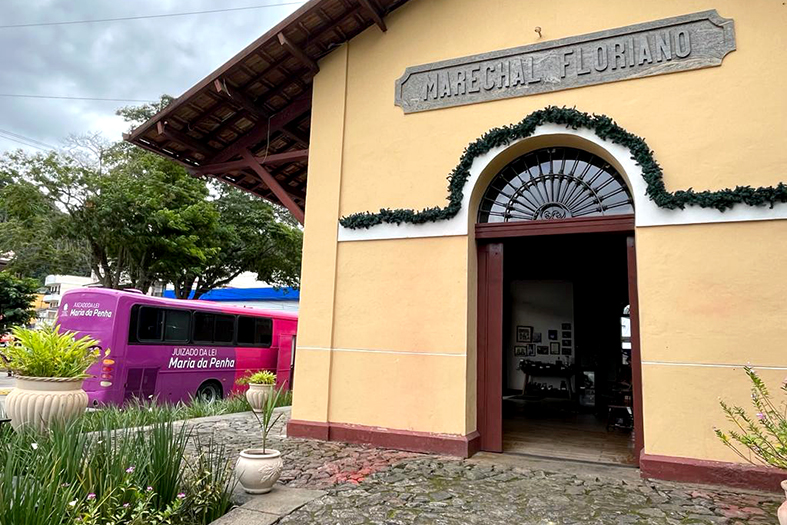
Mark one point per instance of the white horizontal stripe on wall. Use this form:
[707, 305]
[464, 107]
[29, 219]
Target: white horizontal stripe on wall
[373, 351]
[715, 365]
[646, 212]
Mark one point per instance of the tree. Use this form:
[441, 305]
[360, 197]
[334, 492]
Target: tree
[16, 301]
[253, 235]
[134, 218]
[30, 226]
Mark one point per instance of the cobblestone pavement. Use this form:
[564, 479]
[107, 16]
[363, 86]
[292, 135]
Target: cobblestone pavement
[376, 486]
[307, 464]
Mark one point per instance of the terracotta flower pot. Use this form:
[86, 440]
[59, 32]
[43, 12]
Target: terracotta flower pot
[256, 395]
[782, 513]
[37, 401]
[258, 470]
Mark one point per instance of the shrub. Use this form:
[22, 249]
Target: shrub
[145, 412]
[266, 419]
[765, 434]
[263, 377]
[125, 476]
[47, 352]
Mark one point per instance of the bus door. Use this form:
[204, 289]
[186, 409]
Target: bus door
[284, 363]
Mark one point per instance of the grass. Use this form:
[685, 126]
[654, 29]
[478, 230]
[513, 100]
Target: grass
[140, 413]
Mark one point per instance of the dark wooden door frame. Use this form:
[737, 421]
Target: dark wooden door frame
[489, 374]
[489, 364]
[636, 355]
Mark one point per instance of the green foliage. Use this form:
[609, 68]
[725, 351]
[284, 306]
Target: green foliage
[46, 352]
[251, 235]
[138, 114]
[765, 434]
[210, 493]
[16, 300]
[132, 218]
[606, 129]
[266, 418]
[140, 413]
[263, 377]
[139, 476]
[31, 224]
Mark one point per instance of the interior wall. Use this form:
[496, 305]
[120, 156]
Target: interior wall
[544, 306]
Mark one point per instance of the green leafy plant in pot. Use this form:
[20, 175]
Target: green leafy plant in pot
[260, 388]
[258, 469]
[50, 366]
[763, 435]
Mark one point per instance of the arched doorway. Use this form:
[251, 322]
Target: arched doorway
[556, 266]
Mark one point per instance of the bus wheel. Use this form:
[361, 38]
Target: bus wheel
[209, 391]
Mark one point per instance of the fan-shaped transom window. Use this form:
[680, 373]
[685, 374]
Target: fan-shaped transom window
[555, 183]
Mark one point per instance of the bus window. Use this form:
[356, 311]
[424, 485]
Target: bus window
[203, 327]
[255, 331]
[151, 324]
[176, 329]
[214, 328]
[225, 329]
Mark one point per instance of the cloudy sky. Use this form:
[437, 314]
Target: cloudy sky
[133, 59]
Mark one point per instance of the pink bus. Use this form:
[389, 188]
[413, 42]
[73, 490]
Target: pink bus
[175, 349]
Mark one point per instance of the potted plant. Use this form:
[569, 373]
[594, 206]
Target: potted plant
[258, 469]
[50, 367]
[763, 434]
[260, 388]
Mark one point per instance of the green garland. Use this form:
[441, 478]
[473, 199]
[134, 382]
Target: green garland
[606, 129]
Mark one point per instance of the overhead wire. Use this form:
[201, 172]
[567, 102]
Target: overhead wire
[146, 17]
[26, 141]
[30, 142]
[66, 97]
[17, 135]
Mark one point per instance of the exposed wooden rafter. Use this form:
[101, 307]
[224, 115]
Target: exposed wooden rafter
[183, 139]
[298, 53]
[276, 158]
[237, 97]
[297, 108]
[260, 101]
[374, 13]
[271, 182]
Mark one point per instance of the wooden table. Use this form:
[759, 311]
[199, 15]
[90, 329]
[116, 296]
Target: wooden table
[560, 372]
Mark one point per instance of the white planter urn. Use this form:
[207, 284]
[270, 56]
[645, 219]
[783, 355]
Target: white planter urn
[782, 513]
[37, 401]
[258, 470]
[256, 395]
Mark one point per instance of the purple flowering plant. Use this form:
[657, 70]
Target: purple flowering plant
[762, 436]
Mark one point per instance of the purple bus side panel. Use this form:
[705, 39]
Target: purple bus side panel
[169, 372]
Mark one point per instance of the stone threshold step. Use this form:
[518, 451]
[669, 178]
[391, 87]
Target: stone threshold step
[267, 509]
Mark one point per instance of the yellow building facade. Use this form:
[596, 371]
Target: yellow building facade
[387, 336]
[446, 264]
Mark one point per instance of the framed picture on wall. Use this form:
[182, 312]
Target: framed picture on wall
[531, 349]
[554, 348]
[524, 334]
[542, 350]
[565, 326]
[520, 350]
[566, 342]
[536, 337]
[553, 335]
[565, 334]
[565, 351]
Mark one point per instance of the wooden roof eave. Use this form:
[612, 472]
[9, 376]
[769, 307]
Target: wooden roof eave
[261, 95]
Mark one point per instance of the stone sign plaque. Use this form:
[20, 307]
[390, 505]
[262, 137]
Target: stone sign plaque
[670, 45]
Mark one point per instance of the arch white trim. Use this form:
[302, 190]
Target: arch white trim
[646, 212]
